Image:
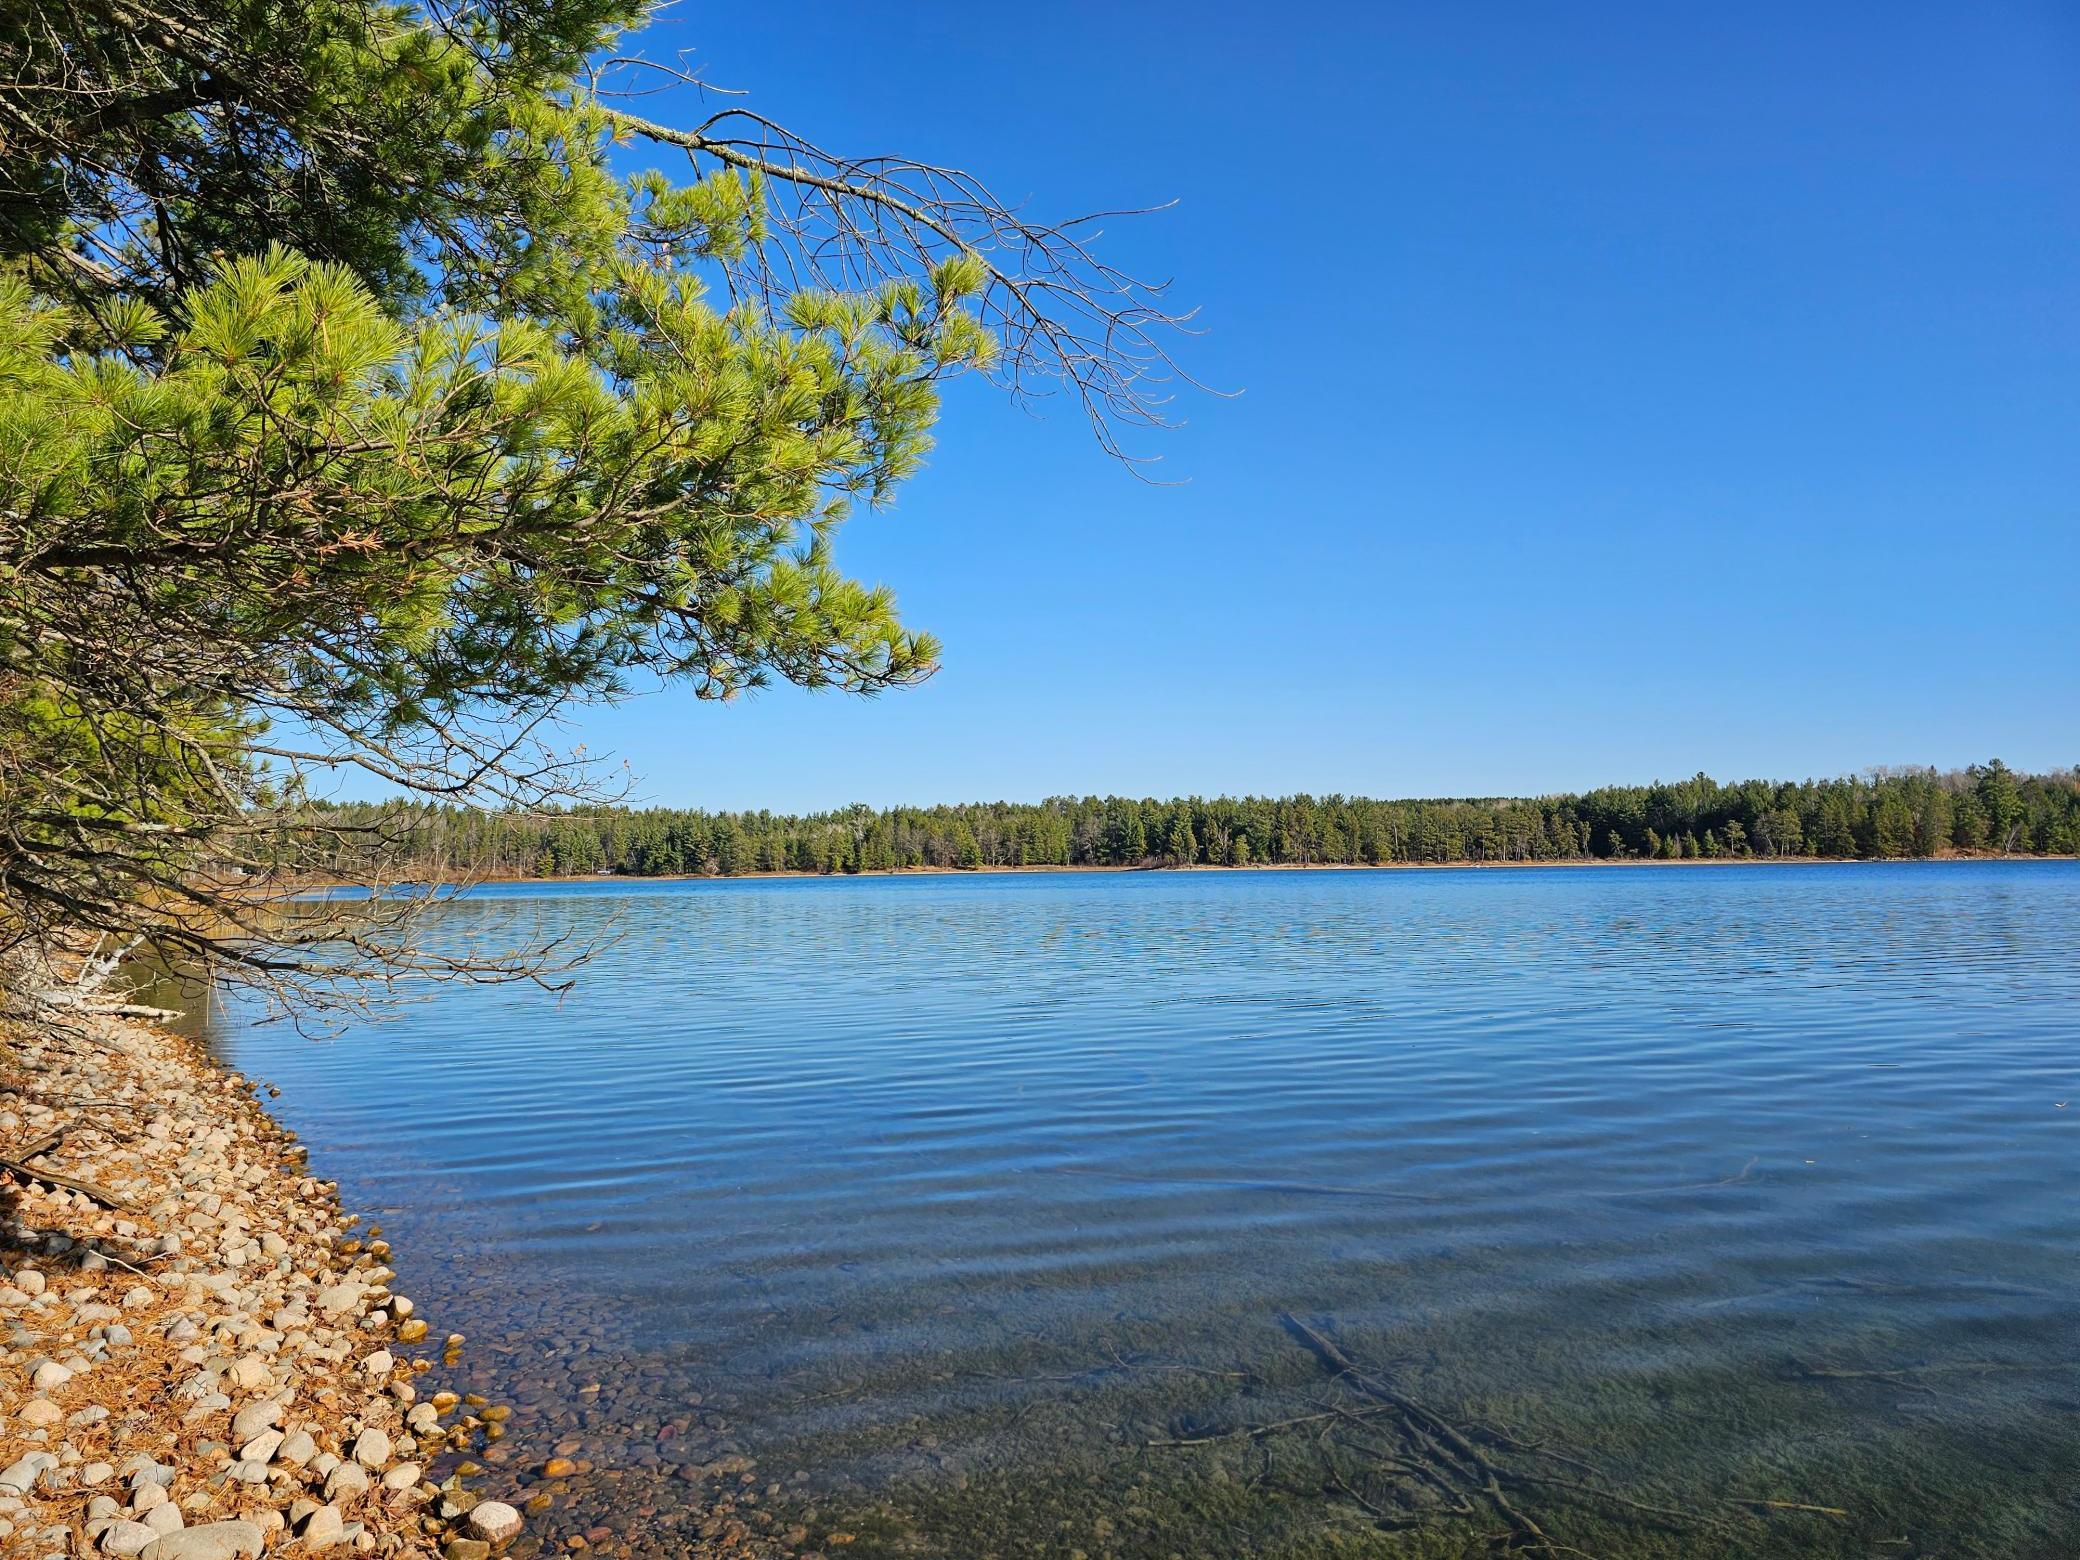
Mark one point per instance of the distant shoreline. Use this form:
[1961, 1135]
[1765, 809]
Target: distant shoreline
[1959, 857]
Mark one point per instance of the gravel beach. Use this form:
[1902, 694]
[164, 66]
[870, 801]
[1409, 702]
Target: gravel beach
[203, 1357]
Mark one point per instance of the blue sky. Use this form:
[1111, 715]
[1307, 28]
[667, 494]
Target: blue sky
[1627, 390]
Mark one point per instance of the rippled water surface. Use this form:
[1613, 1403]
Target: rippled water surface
[956, 1202]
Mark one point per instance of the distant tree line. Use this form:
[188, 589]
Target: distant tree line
[1885, 814]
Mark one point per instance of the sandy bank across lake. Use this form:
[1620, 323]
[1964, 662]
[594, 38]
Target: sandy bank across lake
[1598, 863]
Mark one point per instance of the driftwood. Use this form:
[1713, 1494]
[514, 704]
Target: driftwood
[1908, 1377]
[1790, 1505]
[1223, 1184]
[1258, 1432]
[1738, 1178]
[1431, 1435]
[72, 1002]
[1437, 1467]
[16, 1164]
[42, 1145]
[81, 1101]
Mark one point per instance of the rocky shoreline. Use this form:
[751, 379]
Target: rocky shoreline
[203, 1357]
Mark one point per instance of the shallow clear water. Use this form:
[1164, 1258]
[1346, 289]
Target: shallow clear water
[948, 1199]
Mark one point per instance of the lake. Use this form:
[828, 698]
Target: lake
[1699, 1211]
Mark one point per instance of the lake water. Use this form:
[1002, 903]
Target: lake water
[954, 1203]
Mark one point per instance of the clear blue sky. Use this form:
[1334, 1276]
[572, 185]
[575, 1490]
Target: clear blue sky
[1629, 390]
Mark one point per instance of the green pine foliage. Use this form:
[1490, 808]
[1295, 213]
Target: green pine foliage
[365, 402]
[1915, 813]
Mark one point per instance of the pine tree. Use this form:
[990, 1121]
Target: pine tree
[357, 411]
[2001, 802]
[1182, 845]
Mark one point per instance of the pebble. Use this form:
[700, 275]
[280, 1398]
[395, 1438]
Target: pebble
[140, 1470]
[255, 1419]
[402, 1477]
[21, 1475]
[346, 1482]
[494, 1522]
[213, 1541]
[165, 1517]
[126, 1538]
[322, 1528]
[339, 1299]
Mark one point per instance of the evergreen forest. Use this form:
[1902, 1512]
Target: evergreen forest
[1987, 809]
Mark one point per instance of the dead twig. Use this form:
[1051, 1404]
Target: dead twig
[1905, 1376]
[1787, 1505]
[17, 1166]
[1258, 1432]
